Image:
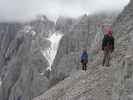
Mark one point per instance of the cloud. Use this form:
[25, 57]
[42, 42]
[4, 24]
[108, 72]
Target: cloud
[11, 10]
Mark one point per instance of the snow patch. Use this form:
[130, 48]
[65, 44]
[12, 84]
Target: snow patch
[41, 74]
[51, 52]
[28, 29]
[33, 33]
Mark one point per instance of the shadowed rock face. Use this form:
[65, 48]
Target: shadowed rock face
[8, 33]
[22, 65]
[15, 47]
[123, 28]
[64, 25]
[31, 82]
[42, 25]
[12, 44]
[124, 21]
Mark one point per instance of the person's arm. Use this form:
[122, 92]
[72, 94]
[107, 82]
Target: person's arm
[80, 56]
[103, 43]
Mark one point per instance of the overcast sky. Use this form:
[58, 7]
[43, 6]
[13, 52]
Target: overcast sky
[11, 10]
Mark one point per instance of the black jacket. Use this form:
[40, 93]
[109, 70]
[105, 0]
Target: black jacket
[108, 41]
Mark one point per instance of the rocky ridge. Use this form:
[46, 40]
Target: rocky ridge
[103, 83]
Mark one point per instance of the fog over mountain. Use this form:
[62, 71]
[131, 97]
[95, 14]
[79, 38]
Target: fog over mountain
[12, 10]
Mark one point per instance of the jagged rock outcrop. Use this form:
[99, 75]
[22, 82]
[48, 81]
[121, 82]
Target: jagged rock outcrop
[7, 34]
[22, 65]
[31, 81]
[123, 28]
[42, 25]
[64, 25]
[11, 71]
[115, 82]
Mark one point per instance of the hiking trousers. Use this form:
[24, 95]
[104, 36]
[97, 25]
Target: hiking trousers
[107, 56]
[84, 65]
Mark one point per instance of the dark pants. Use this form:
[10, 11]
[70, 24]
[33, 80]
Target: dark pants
[84, 64]
[106, 59]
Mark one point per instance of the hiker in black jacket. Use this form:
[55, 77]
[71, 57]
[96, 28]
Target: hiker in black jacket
[107, 47]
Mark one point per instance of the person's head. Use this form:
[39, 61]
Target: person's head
[84, 50]
[109, 32]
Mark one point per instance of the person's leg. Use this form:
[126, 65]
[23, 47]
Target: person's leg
[85, 67]
[82, 66]
[105, 57]
[108, 58]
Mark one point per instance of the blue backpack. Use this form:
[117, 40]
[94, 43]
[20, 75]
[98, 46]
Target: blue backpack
[84, 56]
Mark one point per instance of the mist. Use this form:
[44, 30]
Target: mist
[23, 10]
